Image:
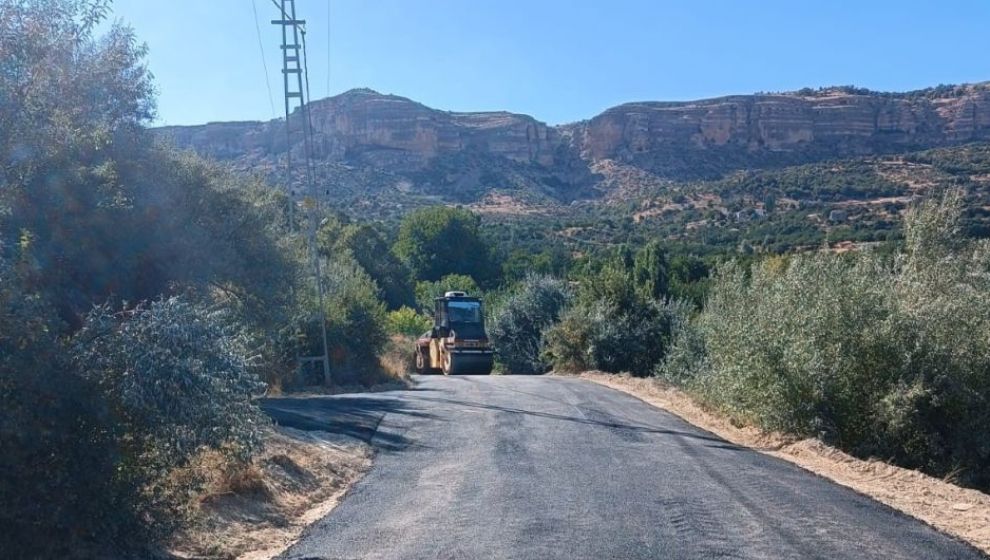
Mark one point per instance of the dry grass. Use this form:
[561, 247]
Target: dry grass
[960, 512]
[397, 360]
[256, 511]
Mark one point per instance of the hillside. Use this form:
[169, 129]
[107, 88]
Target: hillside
[707, 171]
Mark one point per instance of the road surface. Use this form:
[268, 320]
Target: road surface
[545, 467]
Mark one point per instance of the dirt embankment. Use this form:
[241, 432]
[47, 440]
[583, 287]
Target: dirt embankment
[960, 512]
[258, 511]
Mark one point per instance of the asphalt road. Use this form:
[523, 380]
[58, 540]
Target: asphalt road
[545, 468]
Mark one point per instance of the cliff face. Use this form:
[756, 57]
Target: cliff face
[836, 122]
[669, 140]
[362, 126]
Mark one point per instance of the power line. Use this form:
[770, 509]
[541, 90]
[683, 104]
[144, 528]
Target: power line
[264, 63]
[329, 37]
[308, 125]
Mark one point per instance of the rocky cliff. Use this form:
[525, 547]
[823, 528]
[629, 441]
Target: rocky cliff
[363, 126]
[836, 119]
[476, 152]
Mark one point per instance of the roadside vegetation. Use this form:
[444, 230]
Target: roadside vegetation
[880, 353]
[883, 356]
[148, 297]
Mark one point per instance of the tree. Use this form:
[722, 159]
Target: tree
[371, 251]
[689, 279]
[520, 325]
[651, 271]
[355, 318]
[438, 241]
[521, 263]
[101, 408]
[108, 213]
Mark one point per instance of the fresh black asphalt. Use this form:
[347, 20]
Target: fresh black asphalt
[554, 468]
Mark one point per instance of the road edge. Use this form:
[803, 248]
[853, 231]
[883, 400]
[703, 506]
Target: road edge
[959, 512]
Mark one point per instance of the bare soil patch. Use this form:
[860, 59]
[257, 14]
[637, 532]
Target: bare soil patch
[256, 512]
[960, 512]
[502, 204]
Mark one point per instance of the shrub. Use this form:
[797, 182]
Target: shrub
[878, 357]
[406, 321]
[176, 382]
[59, 457]
[355, 321]
[94, 431]
[519, 327]
[605, 336]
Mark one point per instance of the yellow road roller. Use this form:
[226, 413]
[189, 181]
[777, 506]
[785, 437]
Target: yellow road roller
[457, 343]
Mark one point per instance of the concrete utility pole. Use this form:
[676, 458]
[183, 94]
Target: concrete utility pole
[296, 99]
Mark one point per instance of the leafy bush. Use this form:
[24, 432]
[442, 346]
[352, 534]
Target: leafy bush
[622, 320]
[57, 465]
[369, 249]
[175, 379]
[406, 321]
[95, 430]
[519, 327]
[881, 357]
[604, 336]
[651, 272]
[355, 321]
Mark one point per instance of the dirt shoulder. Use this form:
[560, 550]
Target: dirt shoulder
[960, 512]
[257, 512]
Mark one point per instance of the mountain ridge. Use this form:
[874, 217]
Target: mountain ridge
[464, 155]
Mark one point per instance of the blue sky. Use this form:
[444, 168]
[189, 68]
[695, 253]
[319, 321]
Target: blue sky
[557, 60]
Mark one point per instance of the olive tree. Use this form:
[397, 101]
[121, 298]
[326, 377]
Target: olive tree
[519, 326]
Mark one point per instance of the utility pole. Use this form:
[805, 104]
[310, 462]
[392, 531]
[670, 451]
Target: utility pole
[293, 74]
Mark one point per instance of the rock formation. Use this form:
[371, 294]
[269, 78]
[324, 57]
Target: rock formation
[673, 140]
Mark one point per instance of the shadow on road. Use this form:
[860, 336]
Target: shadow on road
[360, 416]
[352, 416]
[598, 418]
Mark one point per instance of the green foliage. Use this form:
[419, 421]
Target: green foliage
[408, 322]
[520, 263]
[135, 220]
[519, 326]
[605, 336]
[623, 318]
[355, 321]
[174, 378]
[67, 96]
[878, 356]
[369, 248]
[689, 279]
[57, 468]
[426, 292]
[101, 410]
[440, 241]
[651, 272]
[93, 429]
[612, 283]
